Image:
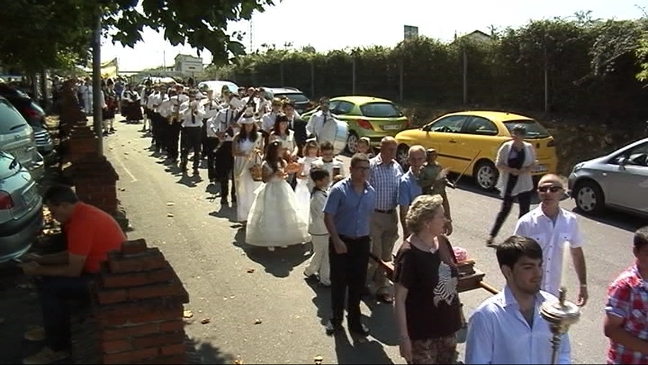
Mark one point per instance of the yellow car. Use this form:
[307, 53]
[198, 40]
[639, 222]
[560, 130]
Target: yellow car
[467, 143]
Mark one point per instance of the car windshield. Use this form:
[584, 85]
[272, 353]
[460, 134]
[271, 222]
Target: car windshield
[380, 110]
[10, 119]
[534, 130]
[297, 98]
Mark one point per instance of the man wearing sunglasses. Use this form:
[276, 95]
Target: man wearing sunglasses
[553, 227]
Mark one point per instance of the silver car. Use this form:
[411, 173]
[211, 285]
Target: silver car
[21, 213]
[618, 180]
[17, 138]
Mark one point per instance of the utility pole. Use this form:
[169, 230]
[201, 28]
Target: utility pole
[251, 37]
[96, 85]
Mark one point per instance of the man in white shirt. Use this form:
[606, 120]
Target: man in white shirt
[553, 227]
[175, 123]
[322, 125]
[191, 136]
[507, 328]
[226, 128]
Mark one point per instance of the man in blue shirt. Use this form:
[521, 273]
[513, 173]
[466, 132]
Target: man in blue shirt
[507, 328]
[408, 187]
[348, 209]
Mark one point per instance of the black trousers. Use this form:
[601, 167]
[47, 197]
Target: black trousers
[349, 271]
[204, 145]
[225, 168]
[524, 201]
[173, 140]
[209, 147]
[190, 140]
[156, 130]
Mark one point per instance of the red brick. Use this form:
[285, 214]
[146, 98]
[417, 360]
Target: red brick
[124, 281]
[134, 247]
[172, 326]
[111, 296]
[152, 260]
[160, 340]
[130, 357]
[155, 291]
[111, 347]
[144, 317]
[177, 359]
[162, 275]
[129, 331]
[177, 349]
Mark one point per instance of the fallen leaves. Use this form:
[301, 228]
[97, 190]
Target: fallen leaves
[170, 204]
[238, 360]
[187, 313]
[258, 321]
[318, 359]
[205, 320]
[170, 215]
[250, 271]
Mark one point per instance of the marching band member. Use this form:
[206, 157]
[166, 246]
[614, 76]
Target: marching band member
[211, 108]
[268, 119]
[164, 111]
[175, 123]
[226, 127]
[154, 102]
[191, 136]
[110, 101]
[322, 124]
[296, 124]
[147, 90]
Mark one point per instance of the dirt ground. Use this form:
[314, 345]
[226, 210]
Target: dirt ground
[577, 139]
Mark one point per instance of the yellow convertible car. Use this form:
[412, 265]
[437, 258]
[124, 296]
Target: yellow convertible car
[467, 142]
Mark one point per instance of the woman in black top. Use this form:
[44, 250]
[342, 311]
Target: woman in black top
[427, 305]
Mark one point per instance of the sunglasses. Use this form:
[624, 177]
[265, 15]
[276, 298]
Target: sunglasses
[553, 189]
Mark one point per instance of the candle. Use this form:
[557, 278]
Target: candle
[565, 265]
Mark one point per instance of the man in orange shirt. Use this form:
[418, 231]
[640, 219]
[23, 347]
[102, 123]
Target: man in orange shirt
[90, 233]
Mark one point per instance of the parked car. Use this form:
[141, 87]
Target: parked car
[618, 180]
[302, 102]
[17, 138]
[33, 114]
[217, 86]
[467, 142]
[21, 214]
[367, 116]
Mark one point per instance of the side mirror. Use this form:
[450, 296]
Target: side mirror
[623, 161]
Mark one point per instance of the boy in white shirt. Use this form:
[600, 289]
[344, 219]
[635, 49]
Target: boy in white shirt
[327, 160]
[318, 269]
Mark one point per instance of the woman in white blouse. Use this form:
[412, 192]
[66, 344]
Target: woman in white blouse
[516, 160]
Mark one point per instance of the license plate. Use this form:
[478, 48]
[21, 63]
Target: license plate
[540, 168]
[30, 195]
[20, 154]
[392, 127]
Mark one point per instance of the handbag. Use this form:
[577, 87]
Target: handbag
[255, 170]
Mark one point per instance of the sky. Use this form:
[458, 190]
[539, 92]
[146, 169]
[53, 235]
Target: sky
[337, 24]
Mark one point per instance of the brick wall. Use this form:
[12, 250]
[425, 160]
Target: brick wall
[82, 141]
[138, 309]
[95, 182]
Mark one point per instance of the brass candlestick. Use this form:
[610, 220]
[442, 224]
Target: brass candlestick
[561, 315]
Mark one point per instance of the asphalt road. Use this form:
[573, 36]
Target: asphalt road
[271, 315]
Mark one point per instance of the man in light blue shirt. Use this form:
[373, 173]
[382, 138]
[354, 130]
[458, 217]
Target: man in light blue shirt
[507, 328]
[348, 208]
[408, 187]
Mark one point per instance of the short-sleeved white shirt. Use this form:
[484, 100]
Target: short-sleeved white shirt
[551, 238]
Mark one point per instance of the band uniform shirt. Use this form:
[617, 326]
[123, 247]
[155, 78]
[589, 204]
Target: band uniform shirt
[226, 123]
[268, 121]
[316, 123]
[165, 106]
[152, 100]
[176, 103]
[192, 118]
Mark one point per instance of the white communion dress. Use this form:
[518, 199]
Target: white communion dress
[274, 218]
[304, 188]
[245, 184]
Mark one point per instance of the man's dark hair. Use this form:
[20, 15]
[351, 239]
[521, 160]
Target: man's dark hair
[641, 238]
[514, 248]
[59, 194]
[357, 158]
[319, 174]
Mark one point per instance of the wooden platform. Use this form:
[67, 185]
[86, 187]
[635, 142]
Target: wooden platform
[469, 277]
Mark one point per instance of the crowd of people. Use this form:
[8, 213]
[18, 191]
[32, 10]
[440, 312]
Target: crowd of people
[290, 188]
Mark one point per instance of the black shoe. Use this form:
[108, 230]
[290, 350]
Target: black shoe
[359, 329]
[196, 172]
[333, 327]
[223, 201]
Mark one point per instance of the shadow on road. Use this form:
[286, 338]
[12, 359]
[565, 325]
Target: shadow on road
[616, 219]
[279, 262]
[359, 352]
[205, 353]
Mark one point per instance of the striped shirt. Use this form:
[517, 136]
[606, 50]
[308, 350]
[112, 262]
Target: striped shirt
[385, 179]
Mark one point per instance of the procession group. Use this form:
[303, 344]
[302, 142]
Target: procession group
[289, 188]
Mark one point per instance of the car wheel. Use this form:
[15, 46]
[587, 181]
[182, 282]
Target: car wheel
[485, 175]
[352, 143]
[589, 197]
[401, 156]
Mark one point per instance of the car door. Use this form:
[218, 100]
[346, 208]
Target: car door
[444, 135]
[628, 179]
[478, 137]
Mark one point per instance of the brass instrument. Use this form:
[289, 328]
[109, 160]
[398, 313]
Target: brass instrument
[560, 314]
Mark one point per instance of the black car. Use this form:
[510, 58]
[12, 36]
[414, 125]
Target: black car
[302, 102]
[33, 114]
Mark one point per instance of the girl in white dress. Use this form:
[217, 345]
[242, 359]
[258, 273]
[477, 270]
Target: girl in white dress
[246, 149]
[273, 219]
[280, 132]
[305, 184]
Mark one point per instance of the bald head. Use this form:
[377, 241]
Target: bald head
[552, 179]
[416, 157]
[388, 148]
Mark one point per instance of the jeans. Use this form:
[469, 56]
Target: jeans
[54, 293]
[349, 271]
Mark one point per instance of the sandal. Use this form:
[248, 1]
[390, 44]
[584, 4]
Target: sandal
[489, 243]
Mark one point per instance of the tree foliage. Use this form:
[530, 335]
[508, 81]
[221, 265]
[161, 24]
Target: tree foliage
[40, 34]
[591, 66]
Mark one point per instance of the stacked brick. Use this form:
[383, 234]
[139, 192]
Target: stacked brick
[82, 141]
[95, 182]
[139, 309]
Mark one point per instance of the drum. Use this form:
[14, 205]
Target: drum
[336, 133]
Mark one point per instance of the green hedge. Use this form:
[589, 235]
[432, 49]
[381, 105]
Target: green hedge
[592, 69]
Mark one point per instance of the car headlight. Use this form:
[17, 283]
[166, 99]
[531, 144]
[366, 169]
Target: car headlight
[578, 166]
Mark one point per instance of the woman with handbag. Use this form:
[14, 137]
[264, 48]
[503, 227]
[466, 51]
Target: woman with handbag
[246, 149]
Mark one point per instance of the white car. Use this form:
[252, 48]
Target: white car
[17, 138]
[618, 180]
